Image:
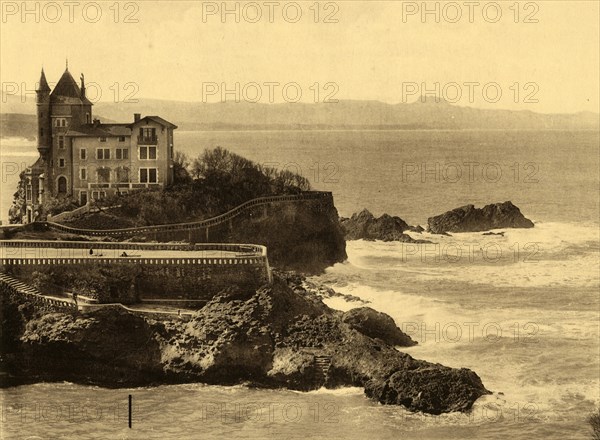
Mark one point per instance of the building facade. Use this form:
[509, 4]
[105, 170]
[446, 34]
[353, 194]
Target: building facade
[82, 158]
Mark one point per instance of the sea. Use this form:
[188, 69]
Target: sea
[521, 309]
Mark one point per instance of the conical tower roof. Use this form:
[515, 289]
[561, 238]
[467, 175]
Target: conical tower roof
[67, 90]
[67, 86]
[43, 84]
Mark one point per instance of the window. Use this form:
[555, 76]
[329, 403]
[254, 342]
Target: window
[98, 195]
[122, 153]
[103, 174]
[83, 173]
[60, 122]
[103, 153]
[83, 154]
[83, 197]
[62, 185]
[61, 163]
[148, 175]
[103, 139]
[121, 138]
[148, 133]
[41, 132]
[88, 120]
[147, 153]
[28, 193]
[122, 174]
[61, 142]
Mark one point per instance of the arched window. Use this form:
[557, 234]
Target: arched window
[62, 185]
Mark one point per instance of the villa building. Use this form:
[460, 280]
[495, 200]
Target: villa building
[82, 158]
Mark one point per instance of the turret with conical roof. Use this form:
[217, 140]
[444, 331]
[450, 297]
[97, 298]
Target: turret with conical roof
[43, 115]
[43, 84]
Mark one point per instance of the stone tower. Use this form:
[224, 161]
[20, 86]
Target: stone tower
[68, 110]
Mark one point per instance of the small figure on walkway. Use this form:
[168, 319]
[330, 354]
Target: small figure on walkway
[124, 254]
[75, 298]
[91, 251]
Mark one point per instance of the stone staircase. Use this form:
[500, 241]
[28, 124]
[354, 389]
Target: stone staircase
[322, 364]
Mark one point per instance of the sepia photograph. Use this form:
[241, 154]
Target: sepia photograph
[289, 220]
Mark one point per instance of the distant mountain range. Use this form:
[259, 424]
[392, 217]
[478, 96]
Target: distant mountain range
[17, 118]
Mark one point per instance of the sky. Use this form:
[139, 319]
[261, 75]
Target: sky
[541, 56]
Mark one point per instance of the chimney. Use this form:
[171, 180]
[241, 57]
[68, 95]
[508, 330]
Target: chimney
[137, 117]
[82, 87]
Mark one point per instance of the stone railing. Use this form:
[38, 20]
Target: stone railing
[69, 214]
[240, 254]
[217, 261]
[246, 249]
[9, 284]
[202, 224]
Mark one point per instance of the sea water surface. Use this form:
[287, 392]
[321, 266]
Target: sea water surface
[522, 310]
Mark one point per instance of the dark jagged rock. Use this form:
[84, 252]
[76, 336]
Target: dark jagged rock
[364, 226]
[471, 219]
[268, 338]
[377, 325]
[433, 389]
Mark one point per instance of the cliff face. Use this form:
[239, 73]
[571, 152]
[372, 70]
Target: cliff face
[269, 337]
[303, 236]
[471, 219]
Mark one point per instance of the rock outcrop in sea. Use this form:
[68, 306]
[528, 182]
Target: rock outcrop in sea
[365, 226]
[470, 219]
[266, 338]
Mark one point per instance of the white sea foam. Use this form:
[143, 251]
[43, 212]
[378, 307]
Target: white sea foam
[551, 254]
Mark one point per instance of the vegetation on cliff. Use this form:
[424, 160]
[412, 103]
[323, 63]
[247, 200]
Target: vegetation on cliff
[211, 184]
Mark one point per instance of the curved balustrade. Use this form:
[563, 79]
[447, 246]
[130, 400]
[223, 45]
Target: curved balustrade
[245, 249]
[213, 221]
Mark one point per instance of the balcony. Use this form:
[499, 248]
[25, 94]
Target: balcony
[124, 185]
[147, 140]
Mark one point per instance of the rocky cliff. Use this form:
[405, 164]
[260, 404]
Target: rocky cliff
[304, 236]
[471, 219]
[365, 226]
[269, 337]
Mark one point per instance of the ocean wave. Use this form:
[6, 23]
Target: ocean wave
[551, 254]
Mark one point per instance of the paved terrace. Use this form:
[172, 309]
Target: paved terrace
[26, 252]
[26, 249]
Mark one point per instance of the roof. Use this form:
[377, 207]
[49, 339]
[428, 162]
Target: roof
[67, 91]
[100, 130]
[158, 120]
[43, 84]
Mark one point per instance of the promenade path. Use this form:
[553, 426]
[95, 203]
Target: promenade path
[55, 253]
[57, 249]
